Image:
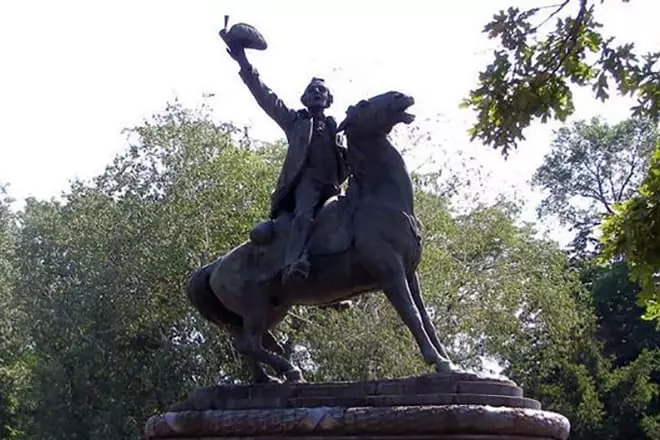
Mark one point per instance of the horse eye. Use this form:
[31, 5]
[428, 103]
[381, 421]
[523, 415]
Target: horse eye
[362, 103]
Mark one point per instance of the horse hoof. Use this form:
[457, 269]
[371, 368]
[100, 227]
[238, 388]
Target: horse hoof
[294, 376]
[445, 366]
[266, 379]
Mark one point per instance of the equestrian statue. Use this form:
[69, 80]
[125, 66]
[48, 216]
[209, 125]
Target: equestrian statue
[321, 247]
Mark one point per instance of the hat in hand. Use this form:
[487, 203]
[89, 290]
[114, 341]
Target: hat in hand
[243, 35]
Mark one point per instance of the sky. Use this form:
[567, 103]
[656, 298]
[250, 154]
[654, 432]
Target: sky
[75, 73]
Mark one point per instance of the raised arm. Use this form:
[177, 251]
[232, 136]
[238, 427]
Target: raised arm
[265, 97]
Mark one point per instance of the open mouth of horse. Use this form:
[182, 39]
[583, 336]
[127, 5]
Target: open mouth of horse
[405, 104]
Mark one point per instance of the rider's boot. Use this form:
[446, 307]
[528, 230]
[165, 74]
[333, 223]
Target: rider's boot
[297, 264]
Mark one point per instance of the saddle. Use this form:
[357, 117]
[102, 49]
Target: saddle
[332, 233]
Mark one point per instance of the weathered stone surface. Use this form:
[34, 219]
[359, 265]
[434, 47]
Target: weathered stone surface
[450, 421]
[441, 407]
[432, 389]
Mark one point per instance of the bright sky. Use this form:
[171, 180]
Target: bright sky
[75, 73]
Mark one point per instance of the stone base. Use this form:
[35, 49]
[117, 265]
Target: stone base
[448, 407]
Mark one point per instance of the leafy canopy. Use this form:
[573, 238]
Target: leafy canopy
[532, 70]
[530, 78]
[633, 231]
[591, 167]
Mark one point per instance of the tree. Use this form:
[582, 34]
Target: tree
[633, 231]
[591, 168]
[624, 336]
[102, 272]
[100, 277]
[532, 71]
[14, 368]
[530, 78]
[608, 382]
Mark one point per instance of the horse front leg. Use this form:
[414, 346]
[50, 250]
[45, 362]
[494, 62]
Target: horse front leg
[385, 264]
[398, 293]
[415, 291]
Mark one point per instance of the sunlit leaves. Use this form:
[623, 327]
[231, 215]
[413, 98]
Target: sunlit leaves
[531, 72]
[633, 231]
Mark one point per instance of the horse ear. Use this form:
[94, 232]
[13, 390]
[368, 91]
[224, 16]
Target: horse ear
[331, 123]
[344, 123]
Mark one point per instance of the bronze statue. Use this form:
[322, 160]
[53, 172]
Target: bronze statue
[364, 241]
[314, 167]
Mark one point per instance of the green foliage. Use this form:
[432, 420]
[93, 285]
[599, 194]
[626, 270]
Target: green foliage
[623, 335]
[572, 389]
[532, 71]
[608, 382]
[101, 276]
[633, 231]
[633, 395]
[530, 78]
[12, 373]
[488, 280]
[601, 175]
[590, 168]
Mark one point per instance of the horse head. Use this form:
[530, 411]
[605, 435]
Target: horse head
[377, 115]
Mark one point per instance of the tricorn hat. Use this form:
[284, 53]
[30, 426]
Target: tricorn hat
[243, 35]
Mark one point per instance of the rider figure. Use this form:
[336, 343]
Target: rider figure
[314, 167]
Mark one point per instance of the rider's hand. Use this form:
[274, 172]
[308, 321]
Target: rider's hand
[238, 54]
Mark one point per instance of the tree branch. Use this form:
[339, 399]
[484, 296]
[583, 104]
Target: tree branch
[559, 6]
[599, 195]
[626, 181]
[633, 167]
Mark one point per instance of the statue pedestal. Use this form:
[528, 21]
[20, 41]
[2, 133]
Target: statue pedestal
[447, 407]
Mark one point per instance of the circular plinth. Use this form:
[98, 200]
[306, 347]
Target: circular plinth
[456, 407]
[409, 422]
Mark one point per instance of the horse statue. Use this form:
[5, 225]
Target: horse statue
[366, 240]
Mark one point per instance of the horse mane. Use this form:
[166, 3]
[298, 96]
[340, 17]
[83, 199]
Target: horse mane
[359, 147]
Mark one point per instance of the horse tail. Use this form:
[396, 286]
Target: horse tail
[206, 302]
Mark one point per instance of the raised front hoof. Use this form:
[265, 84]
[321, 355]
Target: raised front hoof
[294, 376]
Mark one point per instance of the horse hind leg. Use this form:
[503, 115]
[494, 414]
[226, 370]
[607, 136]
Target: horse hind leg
[259, 374]
[256, 323]
[270, 343]
[255, 350]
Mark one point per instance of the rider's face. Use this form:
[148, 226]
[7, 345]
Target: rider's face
[316, 95]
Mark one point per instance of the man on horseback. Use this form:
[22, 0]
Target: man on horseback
[314, 167]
